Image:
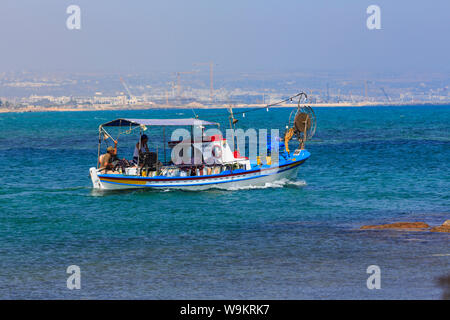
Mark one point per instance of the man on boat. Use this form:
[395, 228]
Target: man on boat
[140, 148]
[106, 160]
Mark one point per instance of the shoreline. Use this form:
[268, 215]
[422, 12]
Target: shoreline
[200, 106]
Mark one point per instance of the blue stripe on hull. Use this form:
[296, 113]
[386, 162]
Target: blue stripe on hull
[206, 183]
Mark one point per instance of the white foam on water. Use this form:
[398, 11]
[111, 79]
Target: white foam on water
[275, 184]
[299, 183]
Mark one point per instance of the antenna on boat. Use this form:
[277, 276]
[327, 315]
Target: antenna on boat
[195, 115]
[233, 122]
[302, 124]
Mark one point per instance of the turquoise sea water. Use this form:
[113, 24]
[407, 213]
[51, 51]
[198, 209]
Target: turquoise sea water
[298, 240]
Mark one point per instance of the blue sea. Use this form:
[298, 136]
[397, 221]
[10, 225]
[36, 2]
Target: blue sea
[297, 240]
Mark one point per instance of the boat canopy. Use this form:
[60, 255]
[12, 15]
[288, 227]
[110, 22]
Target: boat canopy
[158, 122]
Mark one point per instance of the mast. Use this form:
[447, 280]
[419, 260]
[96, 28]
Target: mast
[164, 145]
[99, 143]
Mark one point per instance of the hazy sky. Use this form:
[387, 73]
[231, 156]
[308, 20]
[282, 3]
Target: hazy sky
[242, 35]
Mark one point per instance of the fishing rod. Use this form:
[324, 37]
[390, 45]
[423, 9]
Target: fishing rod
[300, 94]
[290, 99]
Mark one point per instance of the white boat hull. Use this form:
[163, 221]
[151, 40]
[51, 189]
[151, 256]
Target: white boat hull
[232, 181]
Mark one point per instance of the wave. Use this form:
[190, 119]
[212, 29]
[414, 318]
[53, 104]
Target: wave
[283, 183]
[275, 184]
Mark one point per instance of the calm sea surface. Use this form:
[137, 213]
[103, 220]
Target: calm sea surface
[295, 240]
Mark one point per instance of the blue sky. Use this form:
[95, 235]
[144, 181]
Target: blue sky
[245, 35]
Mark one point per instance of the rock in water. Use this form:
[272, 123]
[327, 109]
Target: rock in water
[444, 282]
[398, 225]
[445, 227]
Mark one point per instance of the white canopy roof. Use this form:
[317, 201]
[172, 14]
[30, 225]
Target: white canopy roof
[158, 122]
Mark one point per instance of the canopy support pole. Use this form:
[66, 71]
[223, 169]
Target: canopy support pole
[192, 145]
[139, 150]
[106, 132]
[164, 145]
[99, 143]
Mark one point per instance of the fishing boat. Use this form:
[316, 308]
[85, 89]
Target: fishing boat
[224, 167]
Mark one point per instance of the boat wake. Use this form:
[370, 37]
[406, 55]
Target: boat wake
[283, 183]
[276, 184]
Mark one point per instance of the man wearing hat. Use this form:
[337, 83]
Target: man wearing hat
[107, 158]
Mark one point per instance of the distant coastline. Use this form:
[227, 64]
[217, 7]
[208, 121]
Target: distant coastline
[201, 106]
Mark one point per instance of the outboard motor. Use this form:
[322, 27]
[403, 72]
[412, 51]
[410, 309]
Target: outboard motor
[95, 179]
